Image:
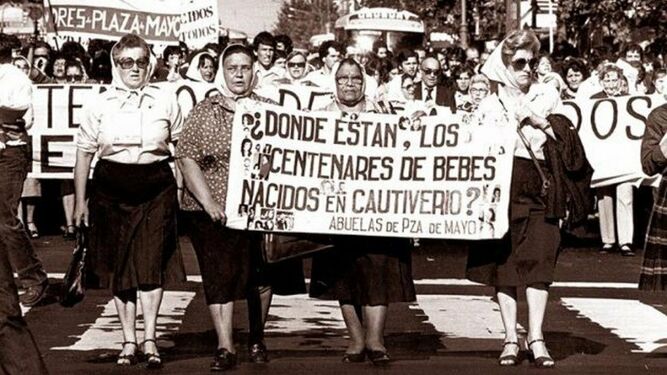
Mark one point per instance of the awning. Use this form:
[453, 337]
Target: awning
[384, 19]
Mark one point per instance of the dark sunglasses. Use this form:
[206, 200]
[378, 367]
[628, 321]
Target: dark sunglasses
[296, 65]
[408, 87]
[434, 72]
[128, 63]
[520, 64]
[74, 78]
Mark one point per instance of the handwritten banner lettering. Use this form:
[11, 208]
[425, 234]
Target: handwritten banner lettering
[371, 174]
[611, 131]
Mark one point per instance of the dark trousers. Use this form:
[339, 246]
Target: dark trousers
[13, 170]
[18, 351]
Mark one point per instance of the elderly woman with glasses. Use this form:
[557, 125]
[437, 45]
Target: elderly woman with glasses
[542, 183]
[365, 274]
[133, 204]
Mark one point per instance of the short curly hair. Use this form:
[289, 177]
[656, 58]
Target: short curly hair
[129, 41]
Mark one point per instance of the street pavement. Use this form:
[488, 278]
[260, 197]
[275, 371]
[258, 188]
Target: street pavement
[597, 322]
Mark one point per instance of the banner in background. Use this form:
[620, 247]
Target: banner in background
[58, 112]
[611, 131]
[367, 174]
[157, 21]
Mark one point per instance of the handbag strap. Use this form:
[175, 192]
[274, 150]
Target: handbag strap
[543, 177]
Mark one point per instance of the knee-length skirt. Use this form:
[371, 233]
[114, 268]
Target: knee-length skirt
[364, 271]
[133, 240]
[527, 253]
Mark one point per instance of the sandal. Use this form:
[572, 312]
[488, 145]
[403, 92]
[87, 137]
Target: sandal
[542, 361]
[124, 360]
[153, 360]
[509, 359]
[32, 230]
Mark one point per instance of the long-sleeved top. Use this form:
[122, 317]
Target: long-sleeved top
[131, 126]
[654, 160]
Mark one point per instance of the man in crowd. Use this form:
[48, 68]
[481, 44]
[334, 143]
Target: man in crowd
[19, 354]
[630, 63]
[429, 88]
[264, 46]
[330, 52]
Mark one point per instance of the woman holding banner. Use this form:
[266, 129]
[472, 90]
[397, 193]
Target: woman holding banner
[229, 260]
[133, 204]
[364, 274]
[526, 256]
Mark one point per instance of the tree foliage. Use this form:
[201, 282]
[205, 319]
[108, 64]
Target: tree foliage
[301, 19]
[614, 20]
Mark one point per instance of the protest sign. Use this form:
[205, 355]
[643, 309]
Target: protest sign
[157, 21]
[58, 112]
[367, 174]
[611, 131]
[297, 97]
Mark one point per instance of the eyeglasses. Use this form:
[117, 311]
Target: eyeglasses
[296, 65]
[355, 80]
[74, 77]
[520, 64]
[408, 87]
[128, 63]
[478, 91]
[433, 72]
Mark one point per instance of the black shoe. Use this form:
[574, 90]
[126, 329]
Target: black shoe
[607, 248]
[354, 357]
[378, 357]
[223, 360]
[257, 353]
[626, 250]
[539, 362]
[70, 233]
[34, 294]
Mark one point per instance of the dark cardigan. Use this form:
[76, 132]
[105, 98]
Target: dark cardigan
[570, 196]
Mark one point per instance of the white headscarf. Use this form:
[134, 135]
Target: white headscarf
[193, 72]
[220, 78]
[117, 81]
[496, 70]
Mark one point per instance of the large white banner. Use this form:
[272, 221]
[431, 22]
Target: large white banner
[611, 131]
[371, 174]
[157, 21]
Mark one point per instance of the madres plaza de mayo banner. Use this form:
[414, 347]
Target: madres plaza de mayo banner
[367, 174]
[611, 131]
[194, 22]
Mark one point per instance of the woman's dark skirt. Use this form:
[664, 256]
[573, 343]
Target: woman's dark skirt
[364, 271]
[653, 275]
[223, 255]
[527, 254]
[133, 240]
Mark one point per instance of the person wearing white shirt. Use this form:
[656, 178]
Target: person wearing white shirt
[19, 354]
[330, 52]
[133, 199]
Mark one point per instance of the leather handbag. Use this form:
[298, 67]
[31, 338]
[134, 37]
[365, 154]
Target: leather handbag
[74, 283]
[279, 247]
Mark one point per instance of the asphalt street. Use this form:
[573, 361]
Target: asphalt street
[597, 322]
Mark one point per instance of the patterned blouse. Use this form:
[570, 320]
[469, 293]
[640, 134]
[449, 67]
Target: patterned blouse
[207, 139]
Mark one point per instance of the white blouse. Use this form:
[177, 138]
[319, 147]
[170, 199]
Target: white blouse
[131, 126]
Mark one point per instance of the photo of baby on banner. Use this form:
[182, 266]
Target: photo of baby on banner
[487, 219]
